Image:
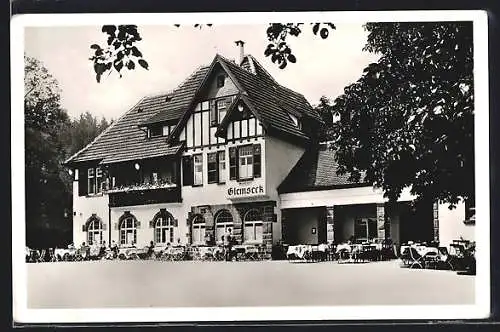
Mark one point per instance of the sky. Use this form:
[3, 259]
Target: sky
[324, 66]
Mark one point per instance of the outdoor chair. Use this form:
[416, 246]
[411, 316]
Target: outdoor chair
[431, 260]
[445, 259]
[416, 260]
[41, 256]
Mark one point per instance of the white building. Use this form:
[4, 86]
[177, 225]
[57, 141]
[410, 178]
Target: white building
[232, 148]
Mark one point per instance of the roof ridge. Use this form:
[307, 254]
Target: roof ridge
[263, 69]
[104, 131]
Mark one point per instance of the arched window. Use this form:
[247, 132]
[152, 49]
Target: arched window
[253, 226]
[198, 230]
[223, 221]
[94, 231]
[128, 230]
[164, 227]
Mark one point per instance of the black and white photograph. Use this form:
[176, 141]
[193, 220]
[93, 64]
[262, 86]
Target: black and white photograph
[222, 167]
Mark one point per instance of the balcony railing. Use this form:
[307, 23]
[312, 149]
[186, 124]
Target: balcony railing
[143, 194]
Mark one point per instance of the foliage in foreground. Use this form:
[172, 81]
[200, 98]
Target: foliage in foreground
[409, 120]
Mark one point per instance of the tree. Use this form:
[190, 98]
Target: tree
[409, 120]
[47, 195]
[121, 50]
[325, 110]
[82, 131]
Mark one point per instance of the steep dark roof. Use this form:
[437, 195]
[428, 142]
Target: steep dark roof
[316, 170]
[271, 100]
[125, 140]
[123, 137]
[179, 99]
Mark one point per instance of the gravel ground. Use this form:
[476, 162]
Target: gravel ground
[106, 284]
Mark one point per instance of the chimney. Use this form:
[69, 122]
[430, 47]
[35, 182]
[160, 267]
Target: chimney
[241, 44]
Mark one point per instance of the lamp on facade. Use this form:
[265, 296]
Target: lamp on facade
[137, 166]
[70, 171]
[240, 107]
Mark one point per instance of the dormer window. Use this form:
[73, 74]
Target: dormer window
[295, 121]
[220, 81]
[156, 131]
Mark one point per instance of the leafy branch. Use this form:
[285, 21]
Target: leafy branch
[120, 51]
[277, 34]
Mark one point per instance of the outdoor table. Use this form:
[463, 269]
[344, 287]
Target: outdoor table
[300, 251]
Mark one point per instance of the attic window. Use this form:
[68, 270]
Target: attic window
[155, 131]
[295, 121]
[168, 98]
[139, 110]
[220, 81]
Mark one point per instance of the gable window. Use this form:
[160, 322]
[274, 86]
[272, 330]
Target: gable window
[91, 181]
[220, 81]
[222, 166]
[198, 230]
[128, 230]
[223, 222]
[164, 228]
[365, 229]
[246, 162]
[253, 226]
[198, 170]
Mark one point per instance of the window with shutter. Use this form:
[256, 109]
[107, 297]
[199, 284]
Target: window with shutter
[233, 163]
[257, 161]
[221, 160]
[212, 168]
[198, 169]
[187, 171]
[245, 160]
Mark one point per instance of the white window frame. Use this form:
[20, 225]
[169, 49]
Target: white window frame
[222, 168]
[249, 220]
[164, 227]
[245, 162]
[199, 224]
[222, 224]
[125, 230]
[197, 170]
[94, 227]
